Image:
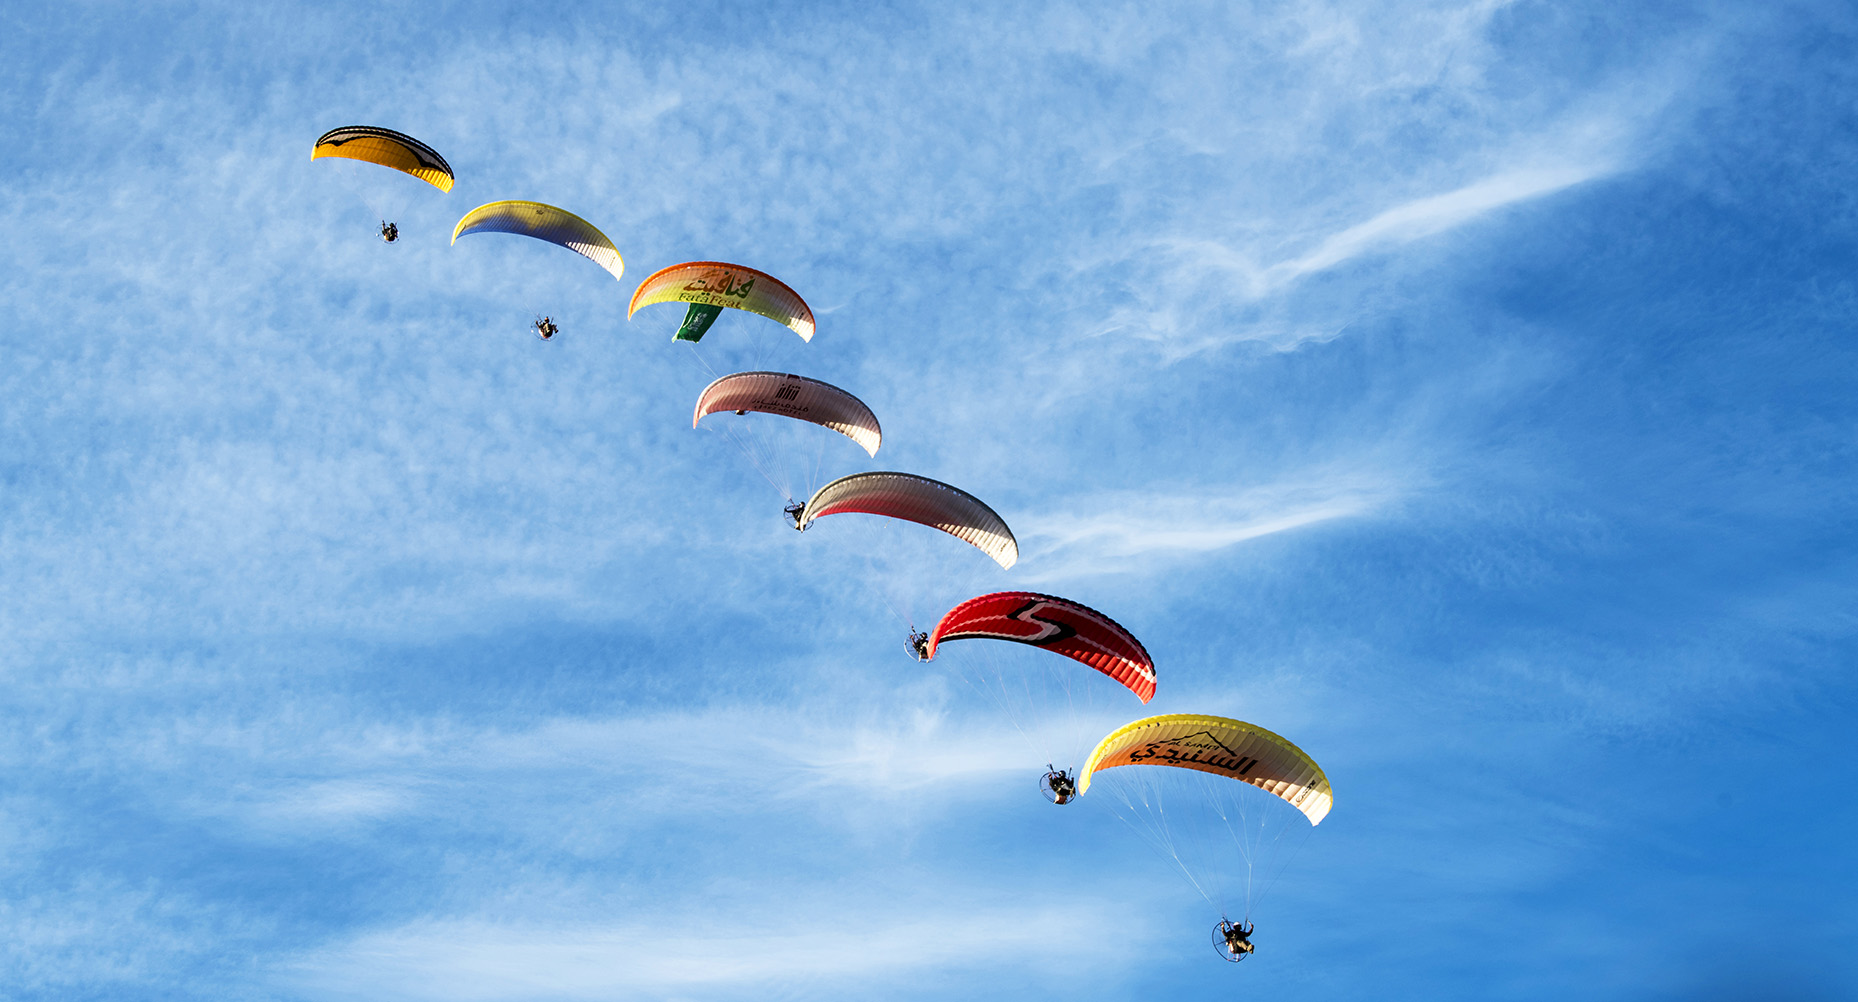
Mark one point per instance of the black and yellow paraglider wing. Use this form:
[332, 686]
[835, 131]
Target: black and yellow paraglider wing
[387, 148]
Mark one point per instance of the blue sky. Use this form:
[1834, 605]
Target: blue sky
[1461, 390]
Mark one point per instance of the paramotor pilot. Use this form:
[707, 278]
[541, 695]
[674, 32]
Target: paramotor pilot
[1238, 937]
[1059, 785]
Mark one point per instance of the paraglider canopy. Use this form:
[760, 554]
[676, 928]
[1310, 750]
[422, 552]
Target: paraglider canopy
[1056, 624]
[797, 397]
[387, 148]
[547, 223]
[710, 286]
[1220, 746]
[916, 499]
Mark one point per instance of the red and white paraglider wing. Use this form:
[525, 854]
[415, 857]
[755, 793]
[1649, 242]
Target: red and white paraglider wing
[920, 500]
[1056, 624]
[796, 397]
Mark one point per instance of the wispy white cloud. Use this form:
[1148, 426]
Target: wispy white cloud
[1191, 277]
[1239, 274]
[94, 935]
[791, 754]
[817, 759]
[313, 809]
[1146, 532]
[813, 947]
[1424, 217]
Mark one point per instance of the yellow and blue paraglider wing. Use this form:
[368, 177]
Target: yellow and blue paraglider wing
[547, 223]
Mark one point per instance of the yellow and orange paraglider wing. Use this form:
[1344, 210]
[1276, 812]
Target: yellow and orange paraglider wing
[1220, 746]
[387, 148]
[716, 283]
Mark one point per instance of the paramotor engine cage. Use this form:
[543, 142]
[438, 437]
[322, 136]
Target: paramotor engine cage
[1057, 785]
[1226, 934]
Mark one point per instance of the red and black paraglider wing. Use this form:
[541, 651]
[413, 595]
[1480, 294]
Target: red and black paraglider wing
[1058, 625]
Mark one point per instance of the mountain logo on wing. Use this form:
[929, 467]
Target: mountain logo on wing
[1198, 750]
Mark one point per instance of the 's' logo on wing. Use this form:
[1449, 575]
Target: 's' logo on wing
[1050, 630]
